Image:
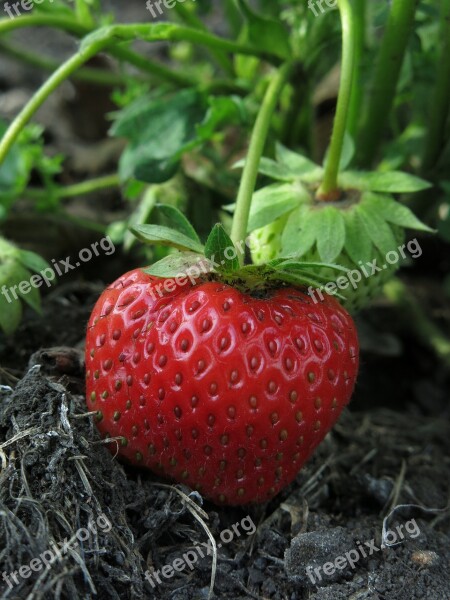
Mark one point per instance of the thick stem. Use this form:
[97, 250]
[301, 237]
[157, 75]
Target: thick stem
[387, 72]
[440, 103]
[357, 95]
[329, 188]
[256, 148]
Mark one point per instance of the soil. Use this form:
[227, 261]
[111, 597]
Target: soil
[380, 478]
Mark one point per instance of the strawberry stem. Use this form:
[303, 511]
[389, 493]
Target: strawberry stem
[387, 72]
[256, 148]
[329, 188]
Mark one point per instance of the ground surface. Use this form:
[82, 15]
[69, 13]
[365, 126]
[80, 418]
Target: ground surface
[385, 465]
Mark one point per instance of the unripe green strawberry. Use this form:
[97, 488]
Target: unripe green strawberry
[216, 388]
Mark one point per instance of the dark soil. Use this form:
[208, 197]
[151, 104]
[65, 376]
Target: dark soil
[384, 466]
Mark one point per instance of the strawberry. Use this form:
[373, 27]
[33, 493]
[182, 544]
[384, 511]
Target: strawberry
[223, 390]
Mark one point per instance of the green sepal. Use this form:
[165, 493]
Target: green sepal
[300, 166]
[175, 219]
[218, 247]
[330, 233]
[272, 202]
[164, 236]
[394, 212]
[178, 264]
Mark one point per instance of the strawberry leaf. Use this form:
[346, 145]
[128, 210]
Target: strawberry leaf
[220, 249]
[164, 236]
[264, 33]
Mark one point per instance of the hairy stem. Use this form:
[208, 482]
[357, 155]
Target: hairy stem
[256, 148]
[357, 95]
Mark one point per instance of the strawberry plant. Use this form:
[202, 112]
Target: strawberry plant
[188, 377]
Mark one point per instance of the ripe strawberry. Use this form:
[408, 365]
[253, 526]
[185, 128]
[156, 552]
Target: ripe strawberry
[226, 392]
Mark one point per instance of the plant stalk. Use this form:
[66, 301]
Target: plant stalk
[357, 95]
[387, 73]
[256, 148]
[329, 188]
[440, 103]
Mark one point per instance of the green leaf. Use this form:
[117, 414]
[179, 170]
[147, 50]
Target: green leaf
[331, 233]
[164, 236]
[376, 228]
[270, 168]
[264, 33]
[179, 264]
[160, 131]
[272, 202]
[358, 247]
[300, 166]
[33, 261]
[220, 249]
[172, 217]
[299, 233]
[222, 109]
[394, 212]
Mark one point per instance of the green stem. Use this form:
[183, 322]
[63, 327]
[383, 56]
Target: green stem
[191, 19]
[328, 190]
[55, 80]
[356, 99]
[97, 76]
[78, 189]
[440, 103]
[71, 26]
[387, 72]
[256, 148]
[155, 32]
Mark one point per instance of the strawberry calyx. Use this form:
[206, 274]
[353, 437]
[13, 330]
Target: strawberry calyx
[217, 260]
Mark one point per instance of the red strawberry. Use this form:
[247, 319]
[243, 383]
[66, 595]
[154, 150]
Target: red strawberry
[226, 392]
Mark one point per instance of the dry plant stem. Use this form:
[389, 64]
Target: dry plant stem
[416, 319]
